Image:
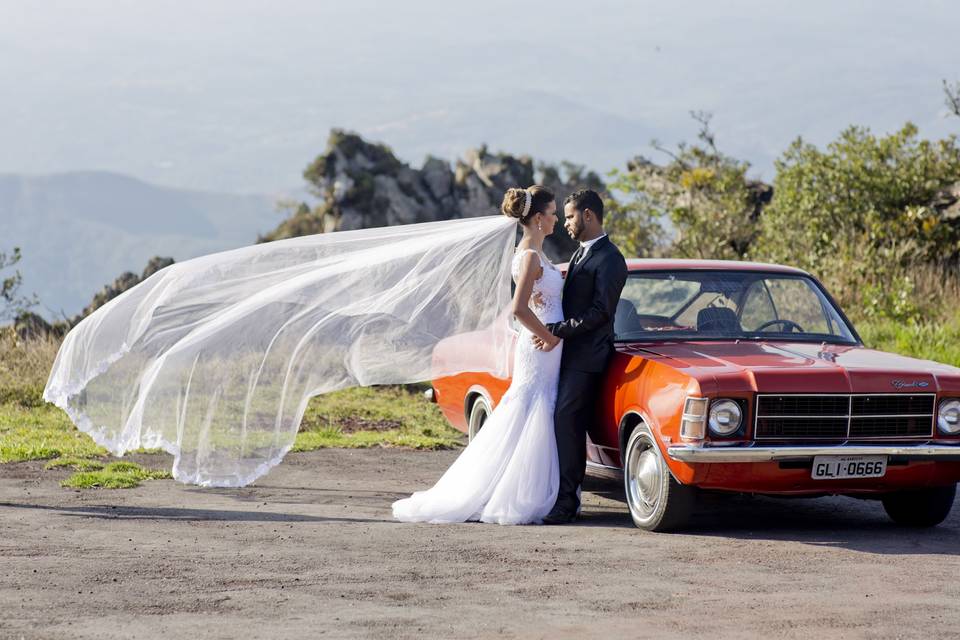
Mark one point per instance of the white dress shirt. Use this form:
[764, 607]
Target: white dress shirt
[586, 246]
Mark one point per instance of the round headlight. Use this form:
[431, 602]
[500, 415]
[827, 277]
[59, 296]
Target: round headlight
[948, 417]
[725, 417]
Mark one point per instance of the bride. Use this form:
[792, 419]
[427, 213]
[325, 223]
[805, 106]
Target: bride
[509, 473]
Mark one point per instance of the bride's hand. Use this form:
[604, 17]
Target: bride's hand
[550, 344]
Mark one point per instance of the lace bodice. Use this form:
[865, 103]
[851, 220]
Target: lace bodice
[547, 289]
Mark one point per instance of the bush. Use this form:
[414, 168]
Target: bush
[24, 367]
[704, 194]
[860, 215]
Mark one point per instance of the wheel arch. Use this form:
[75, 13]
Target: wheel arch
[630, 420]
[633, 418]
[473, 394]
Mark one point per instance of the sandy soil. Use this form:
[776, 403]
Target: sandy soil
[311, 551]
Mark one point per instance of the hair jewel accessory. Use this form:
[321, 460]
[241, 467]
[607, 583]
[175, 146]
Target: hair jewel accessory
[528, 202]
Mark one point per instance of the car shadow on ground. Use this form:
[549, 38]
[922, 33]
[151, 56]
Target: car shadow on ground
[116, 512]
[836, 521]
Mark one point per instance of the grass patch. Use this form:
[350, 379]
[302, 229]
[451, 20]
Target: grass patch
[116, 475]
[331, 438]
[352, 418]
[31, 429]
[37, 433]
[24, 367]
[77, 464]
[940, 342]
[397, 416]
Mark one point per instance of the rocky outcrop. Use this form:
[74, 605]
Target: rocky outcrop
[124, 281]
[29, 324]
[360, 184]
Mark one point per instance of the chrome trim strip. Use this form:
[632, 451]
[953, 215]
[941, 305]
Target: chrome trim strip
[922, 438]
[892, 415]
[604, 471]
[688, 453]
[878, 393]
[849, 414]
[865, 415]
[597, 465]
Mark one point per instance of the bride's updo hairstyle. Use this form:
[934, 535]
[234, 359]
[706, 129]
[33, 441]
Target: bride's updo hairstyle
[523, 204]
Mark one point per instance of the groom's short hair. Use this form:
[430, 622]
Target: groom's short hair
[586, 199]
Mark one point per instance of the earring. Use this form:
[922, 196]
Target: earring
[539, 226]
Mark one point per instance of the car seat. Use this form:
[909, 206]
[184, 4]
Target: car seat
[717, 320]
[626, 320]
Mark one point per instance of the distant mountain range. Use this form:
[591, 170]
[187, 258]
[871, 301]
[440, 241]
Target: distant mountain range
[78, 231]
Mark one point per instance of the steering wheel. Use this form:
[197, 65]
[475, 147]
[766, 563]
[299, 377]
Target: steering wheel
[788, 326]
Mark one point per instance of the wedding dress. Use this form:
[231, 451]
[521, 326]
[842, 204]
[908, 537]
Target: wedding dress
[509, 473]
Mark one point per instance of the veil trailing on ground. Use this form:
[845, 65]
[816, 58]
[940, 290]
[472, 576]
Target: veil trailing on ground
[214, 359]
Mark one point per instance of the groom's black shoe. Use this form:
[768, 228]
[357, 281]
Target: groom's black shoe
[560, 515]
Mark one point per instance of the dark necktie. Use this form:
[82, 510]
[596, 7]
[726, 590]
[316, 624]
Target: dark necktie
[576, 256]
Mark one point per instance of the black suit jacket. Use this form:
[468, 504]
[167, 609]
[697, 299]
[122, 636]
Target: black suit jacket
[591, 292]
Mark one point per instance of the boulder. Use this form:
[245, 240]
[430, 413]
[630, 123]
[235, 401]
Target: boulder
[361, 184]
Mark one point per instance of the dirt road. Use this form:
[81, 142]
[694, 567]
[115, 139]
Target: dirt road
[311, 551]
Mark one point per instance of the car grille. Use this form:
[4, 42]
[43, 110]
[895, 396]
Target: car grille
[842, 416]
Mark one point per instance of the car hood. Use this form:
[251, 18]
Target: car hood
[800, 367]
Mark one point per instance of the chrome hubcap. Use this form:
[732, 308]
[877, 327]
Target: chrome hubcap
[645, 478]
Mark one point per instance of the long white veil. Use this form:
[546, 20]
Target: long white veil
[214, 359]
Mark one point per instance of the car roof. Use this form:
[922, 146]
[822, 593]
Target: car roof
[679, 264]
[652, 264]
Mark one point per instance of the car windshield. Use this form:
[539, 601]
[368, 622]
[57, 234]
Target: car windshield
[723, 305]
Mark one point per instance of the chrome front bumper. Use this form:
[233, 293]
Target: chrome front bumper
[691, 453]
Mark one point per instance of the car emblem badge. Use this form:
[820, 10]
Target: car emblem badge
[900, 384]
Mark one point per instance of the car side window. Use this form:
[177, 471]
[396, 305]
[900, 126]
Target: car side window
[757, 307]
[795, 300]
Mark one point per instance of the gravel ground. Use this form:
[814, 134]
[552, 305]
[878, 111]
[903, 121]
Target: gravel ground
[311, 551]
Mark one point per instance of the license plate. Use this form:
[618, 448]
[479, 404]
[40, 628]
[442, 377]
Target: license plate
[837, 467]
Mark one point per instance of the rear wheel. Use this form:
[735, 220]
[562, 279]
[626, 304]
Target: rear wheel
[920, 507]
[657, 501]
[479, 413]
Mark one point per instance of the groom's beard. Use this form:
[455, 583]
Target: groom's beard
[575, 231]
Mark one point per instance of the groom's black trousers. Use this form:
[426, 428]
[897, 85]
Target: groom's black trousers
[576, 408]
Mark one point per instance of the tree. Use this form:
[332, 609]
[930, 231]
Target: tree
[13, 302]
[634, 223]
[704, 193]
[860, 214]
[952, 97]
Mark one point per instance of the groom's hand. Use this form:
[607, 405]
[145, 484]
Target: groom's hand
[538, 342]
[544, 345]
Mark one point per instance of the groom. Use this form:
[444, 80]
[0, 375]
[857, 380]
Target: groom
[595, 278]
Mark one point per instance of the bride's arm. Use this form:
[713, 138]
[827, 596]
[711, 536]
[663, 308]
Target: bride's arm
[530, 270]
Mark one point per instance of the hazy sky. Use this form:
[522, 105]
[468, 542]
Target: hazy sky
[239, 96]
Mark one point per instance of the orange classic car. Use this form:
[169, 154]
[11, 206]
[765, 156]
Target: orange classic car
[747, 377]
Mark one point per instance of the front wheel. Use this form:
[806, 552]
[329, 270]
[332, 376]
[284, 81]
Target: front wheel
[657, 501]
[920, 507]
